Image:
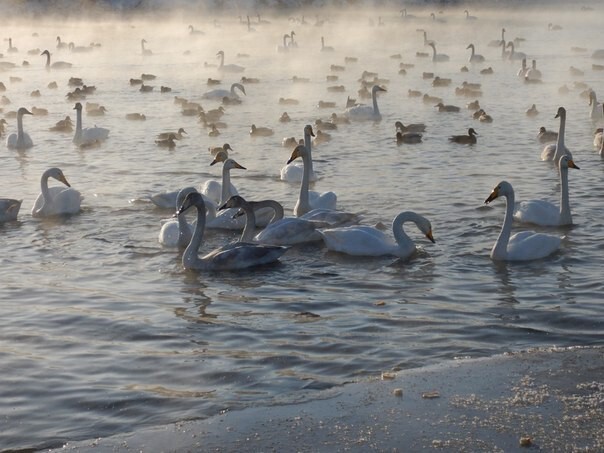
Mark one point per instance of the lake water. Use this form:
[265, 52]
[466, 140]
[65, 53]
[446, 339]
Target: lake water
[103, 332]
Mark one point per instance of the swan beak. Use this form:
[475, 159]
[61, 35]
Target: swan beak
[494, 194]
[571, 164]
[429, 236]
[64, 180]
[239, 166]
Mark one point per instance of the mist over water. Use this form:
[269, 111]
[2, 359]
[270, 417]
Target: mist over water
[103, 332]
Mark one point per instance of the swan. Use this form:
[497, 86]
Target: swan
[523, 69]
[544, 213]
[20, 140]
[60, 44]
[326, 200]
[294, 171]
[532, 73]
[438, 57]
[292, 43]
[284, 48]
[195, 32]
[555, 151]
[229, 67]
[325, 48]
[56, 200]
[89, 136]
[11, 49]
[56, 64]
[427, 41]
[474, 57]
[9, 208]
[469, 139]
[468, 17]
[513, 54]
[497, 42]
[597, 112]
[145, 52]
[598, 138]
[504, 53]
[362, 240]
[239, 255]
[219, 94]
[522, 246]
[366, 112]
[220, 192]
[177, 232]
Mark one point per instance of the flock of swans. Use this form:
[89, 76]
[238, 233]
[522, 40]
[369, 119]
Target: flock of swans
[315, 215]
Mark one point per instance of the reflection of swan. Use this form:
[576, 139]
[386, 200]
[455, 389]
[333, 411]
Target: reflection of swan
[281, 230]
[145, 52]
[557, 150]
[56, 64]
[438, 57]
[545, 213]
[522, 246]
[474, 57]
[361, 240]
[90, 135]
[596, 109]
[366, 112]
[326, 200]
[235, 256]
[20, 140]
[9, 208]
[219, 94]
[177, 233]
[228, 67]
[56, 200]
[294, 171]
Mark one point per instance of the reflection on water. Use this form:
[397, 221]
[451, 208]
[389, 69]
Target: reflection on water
[101, 327]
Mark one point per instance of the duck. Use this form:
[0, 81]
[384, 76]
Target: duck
[261, 131]
[469, 139]
[474, 57]
[485, 117]
[178, 135]
[412, 127]
[532, 111]
[214, 150]
[326, 125]
[232, 68]
[220, 94]
[56, 64]
[167, 142]
[363, 240]
[408, 138]
[596, 112]
[89, 136]
[145, 52]
[447, 108]
[524, 245]
[177, 232]
[546, 136]
[21, 139]
[99, 111]
[136, 116]
[321, 137]
[284, 118]
[56, 200]
[64, 125]
[9, 209]
[366, 112]
[335, 119]
[544, 213]
[553, 152]
[438, 57]
[231, 257]
[213, 132]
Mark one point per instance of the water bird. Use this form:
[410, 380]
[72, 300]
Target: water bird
[56, 64]
[447, 108]
[522, 246]
[546, 136]
[325, 48]
[56, 200]
[231, 68]
[145, 52]
[513, 55]
[64, 125]
[533, 74]
[411, 127]
[532, 111]
[178, 135]
[596, 112]
[284, 118]
[438, 57]
[474, 57]
[167, 142]
[261, 131]
[468, 16]
[21, 139]
[366, 112]
[177, 232]
[219, 94]
[557, 150]
[136, 116]
[468, 139]
[11, 48]
[294, 171]
[408, 138]
[89, 136]
[9, 209]
[193, 31]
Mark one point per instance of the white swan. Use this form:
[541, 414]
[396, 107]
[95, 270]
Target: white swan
[89, 136]
[219, 94]
[326, 200]
[177, 232]
[56, 64]
[523, 69]
[438, 57]
[281, 230]
[145, 52]
[532, 73]
[228, 67]
[597, 112]
[283, 48]
[474, 57]
[522, 246]
[361, 240]
[225, 220]
[9, 209]
[366, 112]
[294, 171]
[20, 140]
[557, 150]
[513, 54]
[544, 213]
[239, 255]
[56, 200]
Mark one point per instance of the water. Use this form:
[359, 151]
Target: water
[102, 332]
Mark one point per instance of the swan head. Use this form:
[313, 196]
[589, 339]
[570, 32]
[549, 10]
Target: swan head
[78, 106]
[236, 201]
[470, 46]
[561, 113]
[299, 151]
[191, 199]
[567, 162]
[180, 198]
[57, 174]
[221, 156]
[308, 130]
[377, 88]
[231, 163]
[504, 188]
[220, 53]
[46, 52]
[23, 111]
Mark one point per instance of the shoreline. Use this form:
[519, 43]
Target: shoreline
[536, 400]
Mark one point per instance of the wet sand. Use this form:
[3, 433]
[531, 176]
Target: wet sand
[540, 400]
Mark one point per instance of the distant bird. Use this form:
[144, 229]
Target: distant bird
[447, 108]
[474, 57]
[64, 125]
[145, 52]
[438, 57]
[325, 48]
[56, 64]
[546, 136]
[469, 139]
[260, 131]
[20, 140]
[413, 127]
[166, 142]
[532, 111]
[408, 137]
[89, 136]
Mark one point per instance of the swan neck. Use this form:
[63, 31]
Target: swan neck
[47, 59]
[275, 206]
[46, 199]
[19, 128]
[250, 224]
[376, 110]
[226, 184]
[308, 144]
[565, 215]
[560, 141]
[500, 249]
[303, 205]
[402, 239]
[78, 132]
[190, 258]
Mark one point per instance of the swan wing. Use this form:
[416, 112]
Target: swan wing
[331, 217]
[528, 245]
[242, 255]
[216, 94]
[62, 201]
[289, 231]
[359, 241]
[325, 200]
[538, 212]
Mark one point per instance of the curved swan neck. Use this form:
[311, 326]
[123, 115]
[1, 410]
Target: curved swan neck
[46, 198]
[47, 59]
[565, 215]
[399, 232]
[250, 223]
[78, 132]
[221, 55]
[274, 205]
[190, 258]
[560, 141]
[500, 249]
